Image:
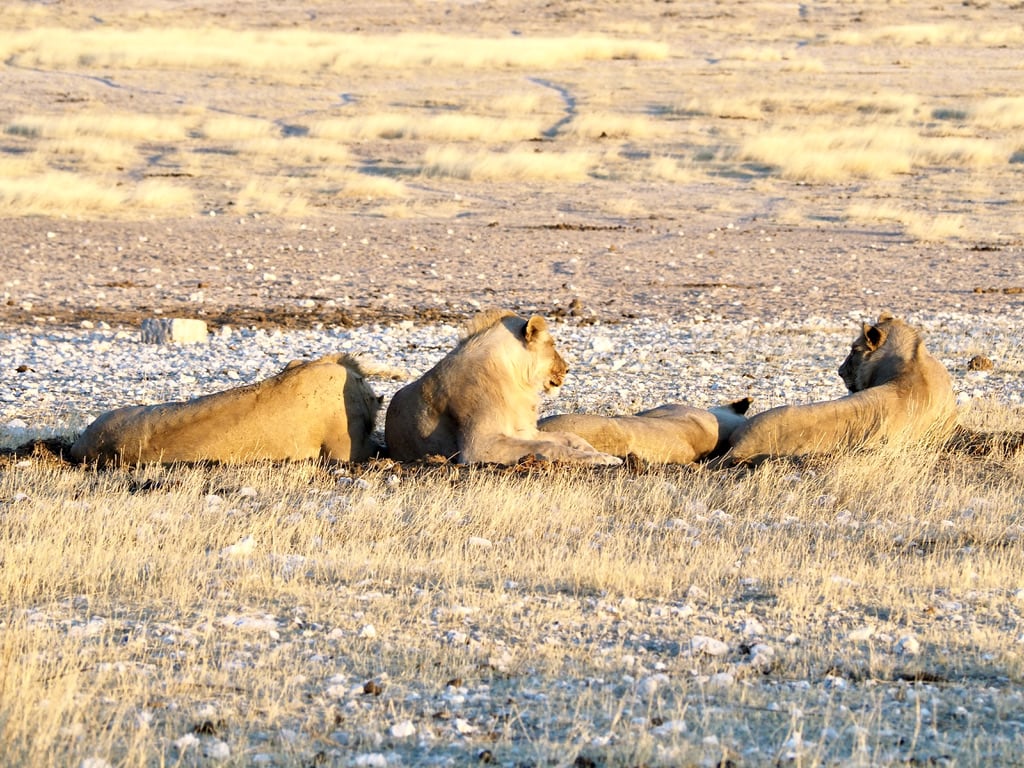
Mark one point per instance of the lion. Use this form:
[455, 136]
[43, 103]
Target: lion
[668, 434]
[319, 409]
[899, 395]
[479, 403]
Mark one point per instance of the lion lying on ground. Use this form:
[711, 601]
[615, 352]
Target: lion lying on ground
[668, 434]
[899, 394]
[312, 409]
[479, 403]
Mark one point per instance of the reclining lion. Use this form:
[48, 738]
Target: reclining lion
[668, 434]
[312, 409]
[479, 403]
[899, 394]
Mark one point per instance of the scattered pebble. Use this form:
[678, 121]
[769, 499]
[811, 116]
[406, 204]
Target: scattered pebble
[708, 646]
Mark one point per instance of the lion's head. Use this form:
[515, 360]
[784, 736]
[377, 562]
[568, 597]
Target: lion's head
[527, 348]
[879, 354]
[540, 345]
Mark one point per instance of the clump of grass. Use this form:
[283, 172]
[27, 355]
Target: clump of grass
[920, 226]
[61, 193]
[290, 51]
[326, 156]
[673, 169]
[876, 152]
[932, 35]
[834, 154]
[513, 165]
[237, 127]
[615, 126]
[266, 196]
[107, 124]
[445, 127]
[1006, 112]
[99, 152]
[367, 185]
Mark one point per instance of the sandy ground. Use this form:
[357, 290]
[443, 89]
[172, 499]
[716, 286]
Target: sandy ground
[733, 241]
[353, 270]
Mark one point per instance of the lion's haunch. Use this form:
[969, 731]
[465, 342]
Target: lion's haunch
[323, 408]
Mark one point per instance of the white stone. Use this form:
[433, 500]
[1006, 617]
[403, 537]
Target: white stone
[649, 685]
[762, 656]
[370, 760]
[217, 750]
[862, 633]
[403, 729]
[187, 741]
[721, 680]
[177, 330]
[909, 645]
[243, 548]
[708, 646]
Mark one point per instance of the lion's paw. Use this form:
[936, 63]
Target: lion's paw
[603, 459]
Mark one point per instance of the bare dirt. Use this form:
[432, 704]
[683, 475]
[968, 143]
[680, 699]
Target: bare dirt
[735, 241]
[350, 270]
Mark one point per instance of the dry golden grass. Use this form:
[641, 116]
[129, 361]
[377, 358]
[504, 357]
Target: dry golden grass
[442, 128]
[605, 125]
[268, 51]
[170, 597]
[56, 193]
[125, 126]
[933, 34]
[513, 165]
[246, 108]
[237, 128]
[1002, 113]
[267, 197]
[820, 154]
[920, 226]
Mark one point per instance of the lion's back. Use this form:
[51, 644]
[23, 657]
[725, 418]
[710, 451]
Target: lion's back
[289, 416]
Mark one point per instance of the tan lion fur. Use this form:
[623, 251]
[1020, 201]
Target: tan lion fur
[899, 394]
[479, 403]
[668, 434]
[312, 409]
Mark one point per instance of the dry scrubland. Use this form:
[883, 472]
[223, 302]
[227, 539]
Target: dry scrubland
[162, 113]
[865, 610]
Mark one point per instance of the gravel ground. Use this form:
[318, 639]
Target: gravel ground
[58, 378]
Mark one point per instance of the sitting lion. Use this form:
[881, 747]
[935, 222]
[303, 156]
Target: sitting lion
[668, 434]
[479, 403]
[312, 409]
[899, 394]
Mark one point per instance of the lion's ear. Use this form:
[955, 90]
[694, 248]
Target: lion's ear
[874, 336]
[885, 317]
[535, 326]
[741, 406]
